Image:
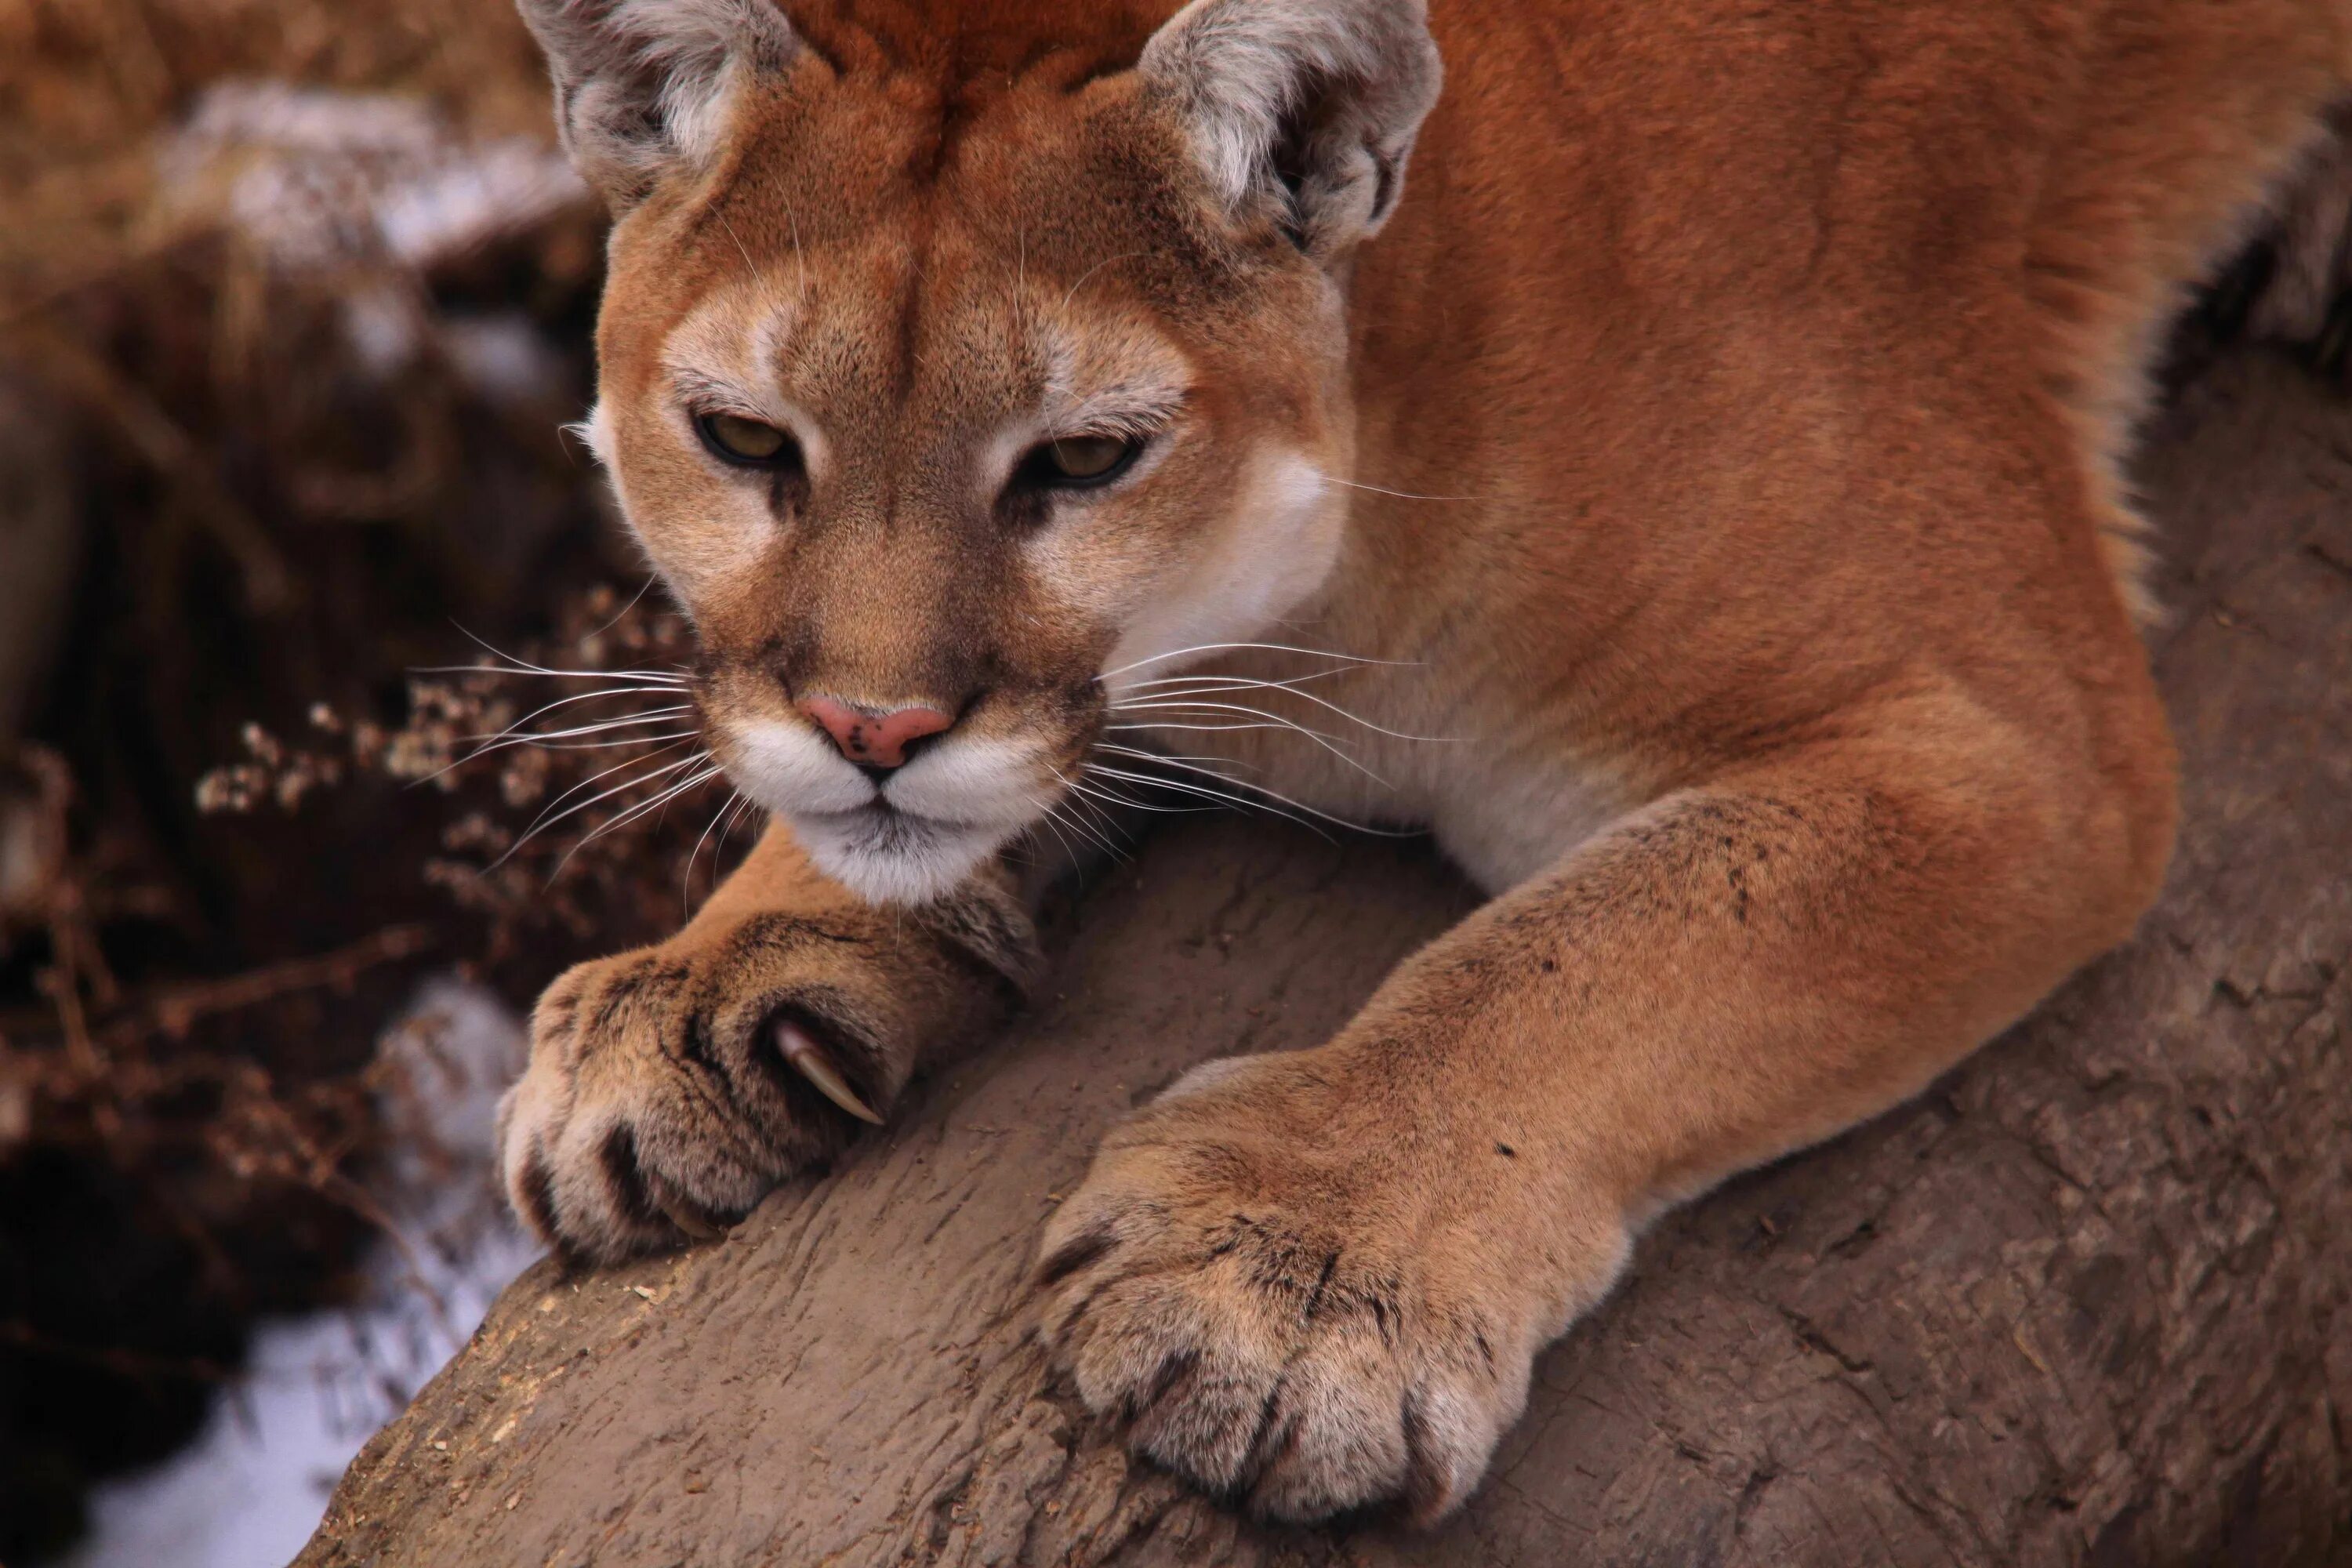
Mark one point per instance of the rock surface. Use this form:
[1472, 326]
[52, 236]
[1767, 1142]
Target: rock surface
[2088, 1300]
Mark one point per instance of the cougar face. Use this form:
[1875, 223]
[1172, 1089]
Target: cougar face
[942, 427]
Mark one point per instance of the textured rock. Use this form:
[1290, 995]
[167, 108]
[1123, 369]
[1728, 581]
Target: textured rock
[2084, 1301]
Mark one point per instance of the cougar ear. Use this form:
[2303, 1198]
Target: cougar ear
[1307, 109]
[642, 87]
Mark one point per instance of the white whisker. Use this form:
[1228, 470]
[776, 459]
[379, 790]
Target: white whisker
[1255, 789]
[1329, 743]
[634, 600]
[1068, 849]
[594, 746]
[1241, 646]
[1091, 271]
[659, 802]
[1110, 832]
[1401, 495]
[1204, 792]
[1201, 705]
[1095, 791]
[514, 666]
[1204, 729]
[517, 731]
[611, 692]
[1077, 799]
[650, 679]
[593, 778]
[1046, 819]
[1090, 800]
[743, 807]
[546, 822]
[1229, 683]
[1207, 682]
[1167, 757]
[686, 891]
[1084, 829]
[515, 735]
[669, 792]
[511, 736]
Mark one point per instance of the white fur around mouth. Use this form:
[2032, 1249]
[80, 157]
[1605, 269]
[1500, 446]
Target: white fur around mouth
[789, 768]
[890, 856]
[914, 840]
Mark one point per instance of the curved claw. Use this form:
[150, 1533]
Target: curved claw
[809, 1059]
[687, 1216]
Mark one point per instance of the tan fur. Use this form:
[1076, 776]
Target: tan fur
[1716, 449]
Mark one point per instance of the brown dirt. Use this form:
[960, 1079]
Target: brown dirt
[2085, 1301]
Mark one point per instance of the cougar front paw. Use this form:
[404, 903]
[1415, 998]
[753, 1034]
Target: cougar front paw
[1297, 1317]
[671, 1087]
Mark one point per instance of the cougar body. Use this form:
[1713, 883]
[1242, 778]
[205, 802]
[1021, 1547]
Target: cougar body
[1666, 448]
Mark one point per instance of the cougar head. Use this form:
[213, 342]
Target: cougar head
[962, 363]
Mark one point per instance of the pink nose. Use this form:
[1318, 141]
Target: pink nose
[872, 738]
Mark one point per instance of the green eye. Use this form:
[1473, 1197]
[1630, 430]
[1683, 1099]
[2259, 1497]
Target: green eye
[1081, 461]
[746, 443]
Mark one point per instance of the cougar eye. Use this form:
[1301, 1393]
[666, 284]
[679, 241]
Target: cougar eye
[1089, 456]
[1078, 462]
[746, 443]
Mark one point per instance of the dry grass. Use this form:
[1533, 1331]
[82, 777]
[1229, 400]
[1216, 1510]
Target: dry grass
[265, 520]
[85, 85]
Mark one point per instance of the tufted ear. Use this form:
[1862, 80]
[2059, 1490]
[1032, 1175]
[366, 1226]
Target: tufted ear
[1307, 109]
[642, 86]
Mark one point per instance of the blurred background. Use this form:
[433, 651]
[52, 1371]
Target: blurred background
[294, 296]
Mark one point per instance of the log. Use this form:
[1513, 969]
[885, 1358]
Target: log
[2083, 1302]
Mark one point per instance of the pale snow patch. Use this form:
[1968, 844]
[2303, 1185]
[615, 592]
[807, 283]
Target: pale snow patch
[248, 1492]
